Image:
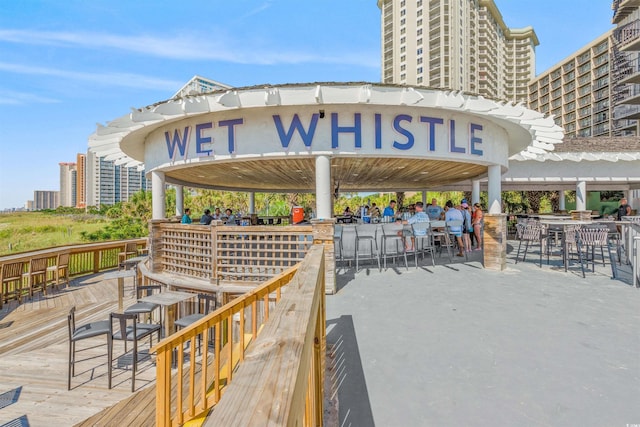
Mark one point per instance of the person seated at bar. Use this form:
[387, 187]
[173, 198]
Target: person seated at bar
[347, 212]
[206, 218]
[231, 219]
[186, 218]
[418, 216]
[217, 214]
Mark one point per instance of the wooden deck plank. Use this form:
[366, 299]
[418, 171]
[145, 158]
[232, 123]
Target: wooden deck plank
[34, 352]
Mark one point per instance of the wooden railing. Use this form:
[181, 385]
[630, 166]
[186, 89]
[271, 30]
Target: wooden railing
[84, 259]
[272, 338]
[219, 253]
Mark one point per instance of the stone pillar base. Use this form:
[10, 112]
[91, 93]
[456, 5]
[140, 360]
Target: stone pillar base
[323, 235]
[581, 215]
[495, 241]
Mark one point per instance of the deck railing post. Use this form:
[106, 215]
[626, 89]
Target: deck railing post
[155, 243]
[214, 250]
[323, 230]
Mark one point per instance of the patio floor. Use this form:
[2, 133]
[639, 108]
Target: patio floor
[456, 345]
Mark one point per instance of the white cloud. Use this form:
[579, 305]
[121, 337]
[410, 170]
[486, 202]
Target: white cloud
[198, 47]
[106, 79]
[8, 97]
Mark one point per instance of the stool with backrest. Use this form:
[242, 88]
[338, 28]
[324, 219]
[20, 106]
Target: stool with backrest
[37, 275]
[128, 329]
[130, 250]
[205, 305]
[143, 307]
[12, 281]
[393, 236]
[337, 239]
[82, 332]
[453, 239]
[366, 233]
[440, 234]
[424, 240]
[60, 270]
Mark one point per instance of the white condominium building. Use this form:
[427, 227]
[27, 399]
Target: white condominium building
[456, 44]
[577, 91]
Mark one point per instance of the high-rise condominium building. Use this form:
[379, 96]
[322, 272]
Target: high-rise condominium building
[108, 183]
[577, 90]
[81, 181]
[45, 199]
[626, 66]
[456, 44]
[67, 184]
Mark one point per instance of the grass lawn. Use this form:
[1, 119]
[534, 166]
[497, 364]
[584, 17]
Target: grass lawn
[28, 231]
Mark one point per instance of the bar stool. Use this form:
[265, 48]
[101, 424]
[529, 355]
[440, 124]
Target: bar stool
[367, 233]
[390, 235]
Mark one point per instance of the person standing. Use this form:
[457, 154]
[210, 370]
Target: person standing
[186, 218]
[434, 211]
[624, 209]
[389, 212]
[476, 221]
[453, 214]
[467, 229]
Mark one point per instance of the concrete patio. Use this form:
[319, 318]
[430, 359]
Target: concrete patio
[456, 345]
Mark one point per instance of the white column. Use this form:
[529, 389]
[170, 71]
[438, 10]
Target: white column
[424, 198]
[581, 196]
[475, 191]
[179, 200]
[495, 190]
[157, 195]
[252, 203]
[323, 187]
[561, 202]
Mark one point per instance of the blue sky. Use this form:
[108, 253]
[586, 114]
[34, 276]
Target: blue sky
[67, 65]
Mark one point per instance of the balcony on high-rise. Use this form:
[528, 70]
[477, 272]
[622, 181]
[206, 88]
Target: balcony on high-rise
[622, 9]
[627, 37]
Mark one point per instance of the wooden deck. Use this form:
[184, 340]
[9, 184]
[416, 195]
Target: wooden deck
[34, 357]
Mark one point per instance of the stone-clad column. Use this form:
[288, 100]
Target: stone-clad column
[323, 235]
[495, 241]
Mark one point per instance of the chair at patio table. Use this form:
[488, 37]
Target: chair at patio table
[129, 330]
[531, 233]
[590, 237]
[82, 332]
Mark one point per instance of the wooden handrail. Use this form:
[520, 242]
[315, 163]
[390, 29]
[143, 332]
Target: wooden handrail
[198, 382]
[84, 258]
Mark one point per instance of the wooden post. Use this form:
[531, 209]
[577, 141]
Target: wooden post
[214, 251]
[155, 243]
[495, 241]
[323, 230]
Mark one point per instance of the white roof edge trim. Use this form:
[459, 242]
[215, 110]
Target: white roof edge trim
[540, 127]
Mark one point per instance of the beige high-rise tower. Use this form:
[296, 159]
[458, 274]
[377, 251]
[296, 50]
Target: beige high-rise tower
[456, 44]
